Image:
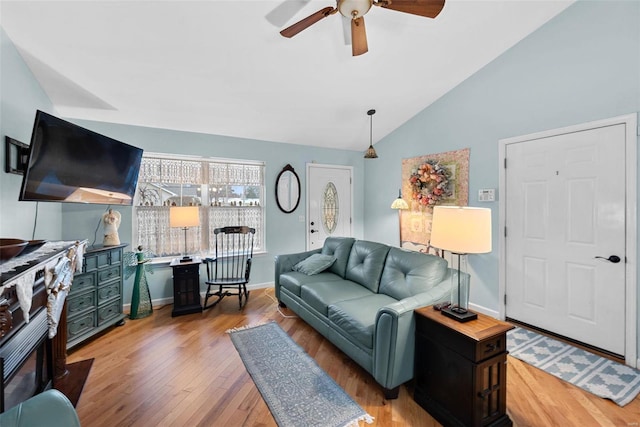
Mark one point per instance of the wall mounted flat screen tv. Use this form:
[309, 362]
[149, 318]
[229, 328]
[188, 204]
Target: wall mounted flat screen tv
[68, 163]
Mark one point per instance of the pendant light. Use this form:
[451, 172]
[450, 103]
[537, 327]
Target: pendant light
[371, 152]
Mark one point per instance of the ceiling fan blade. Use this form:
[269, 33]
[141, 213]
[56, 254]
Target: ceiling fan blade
[307, 22]
[426, 8]
[358, 37]
[286, 10]
[346, 29]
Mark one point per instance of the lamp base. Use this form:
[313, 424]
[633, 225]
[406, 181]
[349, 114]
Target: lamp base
[186, 259]
[461, 315]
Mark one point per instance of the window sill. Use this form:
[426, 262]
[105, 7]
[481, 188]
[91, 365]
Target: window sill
[165, 261]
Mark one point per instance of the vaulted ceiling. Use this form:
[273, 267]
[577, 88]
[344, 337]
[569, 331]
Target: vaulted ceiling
[221, 67]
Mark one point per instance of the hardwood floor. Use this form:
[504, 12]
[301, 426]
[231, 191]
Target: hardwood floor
[184, 371]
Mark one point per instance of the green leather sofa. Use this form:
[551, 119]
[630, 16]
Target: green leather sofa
[47, 409]
[364, 302]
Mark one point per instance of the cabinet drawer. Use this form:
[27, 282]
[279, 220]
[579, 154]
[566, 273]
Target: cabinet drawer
[90, 263]
[187, 272]
[108, 274]
[82, 282]
[108, 292]
[79, 303]
[116, 257]
[103, 259]
[81, 325]
[491, 347]
[109, 311]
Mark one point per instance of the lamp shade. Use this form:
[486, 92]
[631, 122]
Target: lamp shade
[461, 230]
[184, 216]
[399, 203]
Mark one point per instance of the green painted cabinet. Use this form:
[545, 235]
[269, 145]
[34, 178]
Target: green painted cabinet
[95, 300]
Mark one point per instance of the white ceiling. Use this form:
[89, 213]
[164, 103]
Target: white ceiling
[221, 67]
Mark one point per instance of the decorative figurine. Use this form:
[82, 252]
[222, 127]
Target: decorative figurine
[141, 297]
[111, 222]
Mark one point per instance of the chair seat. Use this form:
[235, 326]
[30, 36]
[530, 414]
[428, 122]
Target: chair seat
[228, 281]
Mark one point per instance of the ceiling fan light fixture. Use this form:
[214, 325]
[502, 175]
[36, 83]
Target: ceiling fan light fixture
[353, 9]
[371, 152]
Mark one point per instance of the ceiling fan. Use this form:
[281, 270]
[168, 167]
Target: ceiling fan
[356, 9]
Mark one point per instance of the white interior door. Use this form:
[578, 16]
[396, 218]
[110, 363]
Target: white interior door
[566, 216]
[329, 203]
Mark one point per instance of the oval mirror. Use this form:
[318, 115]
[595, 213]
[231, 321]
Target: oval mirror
[287, 189]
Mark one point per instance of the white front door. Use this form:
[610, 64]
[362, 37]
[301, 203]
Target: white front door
[328, 203]
[565, 237]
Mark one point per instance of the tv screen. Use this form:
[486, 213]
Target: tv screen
[68, 163]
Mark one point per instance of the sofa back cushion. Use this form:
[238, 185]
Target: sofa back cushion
[365, 264]
[338, 247]
[409, 273]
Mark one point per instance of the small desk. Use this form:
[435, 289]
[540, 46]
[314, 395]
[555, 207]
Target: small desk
[186, 287]
[461, 370]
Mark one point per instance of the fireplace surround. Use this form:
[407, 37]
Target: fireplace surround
[32, 295]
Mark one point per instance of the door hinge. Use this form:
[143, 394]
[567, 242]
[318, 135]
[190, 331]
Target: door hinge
[505, 300]
[505, 231]
[505, 162]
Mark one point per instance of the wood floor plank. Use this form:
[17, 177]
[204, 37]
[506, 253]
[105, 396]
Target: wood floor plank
[184, 371]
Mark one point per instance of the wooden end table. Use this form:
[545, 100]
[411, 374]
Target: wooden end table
[186, 287]
[461, 370]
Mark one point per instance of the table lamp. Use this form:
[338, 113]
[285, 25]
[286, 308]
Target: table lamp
[461, 231]
[184, 217]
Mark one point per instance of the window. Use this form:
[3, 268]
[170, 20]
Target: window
[228, 192]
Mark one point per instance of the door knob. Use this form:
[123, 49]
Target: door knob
[613, 258]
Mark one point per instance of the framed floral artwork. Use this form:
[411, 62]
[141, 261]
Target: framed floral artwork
[427, 181]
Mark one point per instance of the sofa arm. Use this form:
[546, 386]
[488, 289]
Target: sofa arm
[394, 340]
[285, 263]
[49, 408]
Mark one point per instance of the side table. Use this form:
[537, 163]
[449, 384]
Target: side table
[186, 287]
[460, 369]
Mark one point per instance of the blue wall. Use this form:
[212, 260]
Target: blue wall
[583, 65]
[21, 96]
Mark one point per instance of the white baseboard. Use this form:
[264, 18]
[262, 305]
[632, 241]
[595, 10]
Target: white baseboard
[161, 302]
[485, 311]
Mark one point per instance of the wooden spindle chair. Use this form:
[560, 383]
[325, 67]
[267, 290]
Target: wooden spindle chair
[228, 272]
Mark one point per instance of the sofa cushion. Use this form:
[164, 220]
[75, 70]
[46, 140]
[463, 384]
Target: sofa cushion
[357, 317]
[408, 273]
[366, 261]
[293, 280]
[314, 264]
[320, 295]
[339, 247]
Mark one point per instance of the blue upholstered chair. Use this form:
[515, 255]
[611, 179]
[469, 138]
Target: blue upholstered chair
[47, 409]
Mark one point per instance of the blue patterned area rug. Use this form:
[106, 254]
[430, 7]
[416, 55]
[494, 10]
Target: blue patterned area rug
[595, 374]
[298, 392]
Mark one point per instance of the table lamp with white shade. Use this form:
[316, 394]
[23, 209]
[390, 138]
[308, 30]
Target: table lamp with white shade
[184, 217]
[461, 231]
